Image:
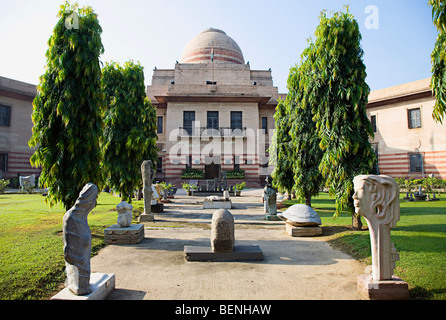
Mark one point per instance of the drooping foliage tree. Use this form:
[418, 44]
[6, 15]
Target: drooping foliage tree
[338, 95]
[438, 56]
[129, 127]
[305, 141]
[67, 108]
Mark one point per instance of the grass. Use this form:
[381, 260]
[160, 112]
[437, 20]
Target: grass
[32, 264]
[419, 237]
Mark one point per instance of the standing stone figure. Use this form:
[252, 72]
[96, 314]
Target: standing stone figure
[270, 197]
[124, 214]
[147, 176]
[77, 241]
[376, 198]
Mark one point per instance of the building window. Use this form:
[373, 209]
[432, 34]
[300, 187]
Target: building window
[188, 120]
[236, 162]
[5, 115]
[159, 165]
[373, 121]
[189, 162]
[265, 125]
[212, 121]
[236, 120]
[159, 126]
[416, 162]
[3, 162]
[414, 117]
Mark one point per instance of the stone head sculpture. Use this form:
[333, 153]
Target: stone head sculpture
[77, 241]
[376, 198]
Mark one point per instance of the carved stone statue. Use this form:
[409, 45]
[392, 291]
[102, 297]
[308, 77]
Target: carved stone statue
[376, 198]
[77, 241]
[124, 214]
[270, 197]
[148, 174]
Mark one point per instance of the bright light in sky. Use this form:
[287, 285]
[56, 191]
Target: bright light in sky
[271, 34]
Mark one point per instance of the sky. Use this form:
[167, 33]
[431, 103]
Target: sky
[398, 36]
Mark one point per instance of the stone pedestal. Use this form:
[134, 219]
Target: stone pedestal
[101, 284]
[395, 289]
[272, 217]
[217, 204]
[157, 208]
[132, 234]
[239, 253]
[146, 217]
[303, 231]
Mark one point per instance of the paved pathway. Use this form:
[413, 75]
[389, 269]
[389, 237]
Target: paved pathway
[293, 268]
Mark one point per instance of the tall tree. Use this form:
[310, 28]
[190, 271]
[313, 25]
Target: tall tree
[438, 80]
[307, 153]
[129, 127]
[339, 96]
[67, 108]
[281, 151]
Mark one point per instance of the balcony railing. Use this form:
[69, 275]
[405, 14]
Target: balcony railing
[212, 132]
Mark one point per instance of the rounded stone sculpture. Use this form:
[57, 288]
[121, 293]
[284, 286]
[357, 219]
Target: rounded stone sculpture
[124, 214]
[222, 231]
[300, 215]
[77, 241]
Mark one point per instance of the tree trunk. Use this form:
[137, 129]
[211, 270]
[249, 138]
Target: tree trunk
[308, 200]
[356, 221]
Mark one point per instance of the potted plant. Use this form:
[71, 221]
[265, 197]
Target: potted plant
[189, 187]
[239, 187]
[166, 188]
[3, 184]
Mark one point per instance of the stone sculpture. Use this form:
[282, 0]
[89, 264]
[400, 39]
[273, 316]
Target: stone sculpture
[270, 196]
[147, 176]
[77, 241]
[376, 198]
[222, 231]
[124, 214]
[301, 221]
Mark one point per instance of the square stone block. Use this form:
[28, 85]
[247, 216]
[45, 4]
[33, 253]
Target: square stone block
[209, 204]
[394, 289]
[240, 253]
[102, 284]
[303, 231]
[146, 217]
[132, 234]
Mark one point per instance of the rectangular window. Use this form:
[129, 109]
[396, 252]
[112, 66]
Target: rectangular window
[159, 126]
[236, 162]
[414, 117]
[189, 162]
[373, 121]
[212, 121]
[5, 115]
[188, 120]
[159, 165]
[3, 162]
[236, 120]
[416, 162]
[265, 125]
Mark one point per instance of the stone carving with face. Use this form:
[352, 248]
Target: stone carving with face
[376, 198]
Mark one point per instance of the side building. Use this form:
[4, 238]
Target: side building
[409, 143]
[15, 128]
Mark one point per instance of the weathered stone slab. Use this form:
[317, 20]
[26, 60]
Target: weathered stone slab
[395, 289]
[303, 231]
[129, 235]
[101, 285]
[239, 253]
[146, 217]
[222, 231]
[222, 204]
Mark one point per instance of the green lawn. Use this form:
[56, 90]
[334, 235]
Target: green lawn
[419, 237]
[31, 257]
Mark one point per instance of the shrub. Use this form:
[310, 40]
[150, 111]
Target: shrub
[192, 174]
[3, 184]
[235, 174]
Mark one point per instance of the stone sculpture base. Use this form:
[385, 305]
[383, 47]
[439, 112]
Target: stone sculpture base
[132, 234]
[303, 231]
[157, 208]
[395, 289]
[146, 217]
[240, 253]
[102, 284]
[272, 217]
[217, 204]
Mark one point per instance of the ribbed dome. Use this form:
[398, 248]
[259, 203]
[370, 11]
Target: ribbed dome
[212, 42]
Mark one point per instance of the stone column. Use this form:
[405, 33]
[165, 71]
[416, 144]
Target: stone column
[148, 175]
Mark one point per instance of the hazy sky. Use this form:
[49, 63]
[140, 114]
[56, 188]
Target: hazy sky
[271, 33]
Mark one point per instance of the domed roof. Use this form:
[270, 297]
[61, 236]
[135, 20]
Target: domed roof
[212, 43]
